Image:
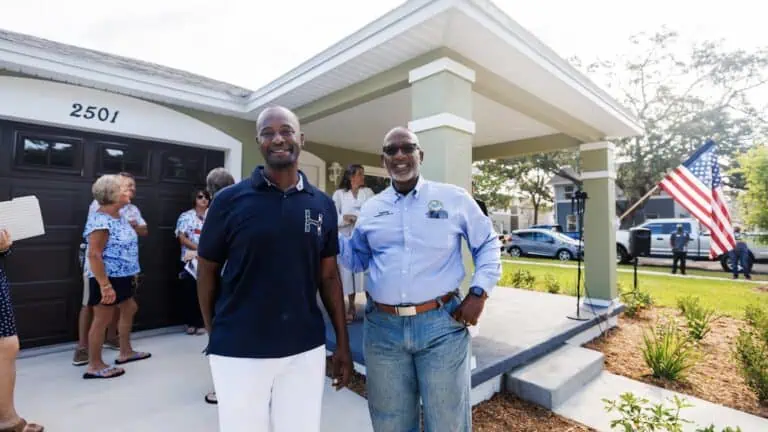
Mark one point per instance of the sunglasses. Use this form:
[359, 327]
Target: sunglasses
[406, 148]
[201, 196]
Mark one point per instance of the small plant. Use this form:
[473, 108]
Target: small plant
[667, 351]
[523, 279]
[698, 317]
[552, 284]
[751, 352]
[639, 415]
[635, 300]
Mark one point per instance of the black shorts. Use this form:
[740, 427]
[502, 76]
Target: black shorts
[123, 286]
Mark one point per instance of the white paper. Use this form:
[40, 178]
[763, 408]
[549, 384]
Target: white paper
[22, 217]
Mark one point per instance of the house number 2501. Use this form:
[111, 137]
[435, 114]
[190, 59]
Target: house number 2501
[91, 112]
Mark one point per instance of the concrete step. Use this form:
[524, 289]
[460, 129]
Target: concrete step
[552, 379]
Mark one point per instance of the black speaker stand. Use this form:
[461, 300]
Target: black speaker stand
[579, 199]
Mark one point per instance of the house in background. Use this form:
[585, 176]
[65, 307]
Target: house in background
[660, 205]
[519, 216]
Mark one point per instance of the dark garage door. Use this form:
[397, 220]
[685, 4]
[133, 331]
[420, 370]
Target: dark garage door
[59, 166]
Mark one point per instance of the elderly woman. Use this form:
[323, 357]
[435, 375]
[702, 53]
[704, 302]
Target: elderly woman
[217, 179]
[113, 250]
[9, 348]
[349, 198]
[188, 228]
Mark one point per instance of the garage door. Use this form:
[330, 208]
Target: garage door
[59, 167]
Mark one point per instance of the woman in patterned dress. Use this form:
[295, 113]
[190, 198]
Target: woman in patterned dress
[9, 348]
[188, 228]
[113, 250]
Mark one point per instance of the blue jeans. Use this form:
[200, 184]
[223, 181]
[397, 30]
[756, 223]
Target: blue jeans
[425, 355]
[739, 255]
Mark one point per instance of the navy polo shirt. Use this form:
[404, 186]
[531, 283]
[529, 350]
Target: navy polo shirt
[272, 243]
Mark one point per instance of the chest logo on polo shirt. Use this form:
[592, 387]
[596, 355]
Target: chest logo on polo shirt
[309, 222]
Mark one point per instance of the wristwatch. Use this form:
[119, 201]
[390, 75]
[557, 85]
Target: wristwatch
[478, 292]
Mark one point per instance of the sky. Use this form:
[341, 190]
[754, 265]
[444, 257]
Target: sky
[249, 43]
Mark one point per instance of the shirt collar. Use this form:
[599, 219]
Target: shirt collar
[261, 181]
[415, 192]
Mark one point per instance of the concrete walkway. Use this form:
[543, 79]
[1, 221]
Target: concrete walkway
[164, 393]
[587, 407]
[640, 272]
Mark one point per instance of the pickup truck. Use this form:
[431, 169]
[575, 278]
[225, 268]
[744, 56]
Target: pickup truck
[698, 248]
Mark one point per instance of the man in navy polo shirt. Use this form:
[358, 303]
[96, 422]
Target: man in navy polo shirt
[278, 236]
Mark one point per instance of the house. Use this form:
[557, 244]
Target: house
[471, 82]
[659, 205]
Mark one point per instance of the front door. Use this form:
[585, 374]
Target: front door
[314, 168]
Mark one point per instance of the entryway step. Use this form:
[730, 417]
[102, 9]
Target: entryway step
[552, 379]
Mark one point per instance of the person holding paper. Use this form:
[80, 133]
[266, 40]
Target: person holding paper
[9, 348]
[188, 228]
[113, 264]
[349, 199]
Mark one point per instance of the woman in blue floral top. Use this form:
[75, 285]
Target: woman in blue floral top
[188, 228]
[113, 250]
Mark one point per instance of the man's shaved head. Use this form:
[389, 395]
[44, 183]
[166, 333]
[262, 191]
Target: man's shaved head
[279, 110]
[398, 133]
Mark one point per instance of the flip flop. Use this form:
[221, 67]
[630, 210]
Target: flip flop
[23, 426]
[106, 373]
[134, 357]
[211, 400]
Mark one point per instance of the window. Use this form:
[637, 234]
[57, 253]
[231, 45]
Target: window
[376, 183]
[48, 152]
[116, 158]
[568, 192]
[183, 167]
[571, 222]
[656, 228]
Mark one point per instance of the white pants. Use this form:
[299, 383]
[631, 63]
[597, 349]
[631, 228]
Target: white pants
[261, 395]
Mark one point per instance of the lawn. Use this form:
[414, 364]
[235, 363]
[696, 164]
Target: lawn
[726, 296]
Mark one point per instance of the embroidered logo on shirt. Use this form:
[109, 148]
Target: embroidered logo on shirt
[436, 210]
[383, 213]
[308, 222]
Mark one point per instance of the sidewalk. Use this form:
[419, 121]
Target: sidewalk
[164, 393]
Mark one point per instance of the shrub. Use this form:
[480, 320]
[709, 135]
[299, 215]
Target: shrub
[552, 284]
[698, 318]
[635, 300]
[638, 415]
[667, 351]
[751, 352]
[523, 279]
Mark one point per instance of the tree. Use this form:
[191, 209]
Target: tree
[682, 97]
[754, 200]
[527, 177]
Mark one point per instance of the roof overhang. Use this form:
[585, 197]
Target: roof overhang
[523, 90]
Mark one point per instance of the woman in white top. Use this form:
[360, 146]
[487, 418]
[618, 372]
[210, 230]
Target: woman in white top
[349, 198]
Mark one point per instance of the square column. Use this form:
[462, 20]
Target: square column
[598, 173]
[441, 112]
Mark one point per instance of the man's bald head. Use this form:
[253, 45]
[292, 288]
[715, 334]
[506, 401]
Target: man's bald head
[275, 111]
[400, 133]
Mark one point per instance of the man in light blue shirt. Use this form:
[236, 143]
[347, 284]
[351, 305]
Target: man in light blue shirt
[417, 343]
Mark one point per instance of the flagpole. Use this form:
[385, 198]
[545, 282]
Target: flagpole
[640, 201]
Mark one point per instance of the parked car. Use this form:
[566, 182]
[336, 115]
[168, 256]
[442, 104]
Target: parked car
[557, 228]
[698, 248]
[542, 242]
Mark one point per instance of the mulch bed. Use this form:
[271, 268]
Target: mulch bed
[502, 413]
[714, 378]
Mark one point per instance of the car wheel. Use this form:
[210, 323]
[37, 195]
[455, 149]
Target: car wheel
[515, 252]
[622, 257]
[564, 255]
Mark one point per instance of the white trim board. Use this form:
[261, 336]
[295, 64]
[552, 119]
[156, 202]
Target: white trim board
[375, 171]
[49, 103]
[444, 64]
[442, 120]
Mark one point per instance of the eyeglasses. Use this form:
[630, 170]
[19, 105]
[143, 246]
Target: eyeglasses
[406, 148]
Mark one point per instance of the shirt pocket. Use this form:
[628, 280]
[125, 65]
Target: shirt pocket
[437, 233]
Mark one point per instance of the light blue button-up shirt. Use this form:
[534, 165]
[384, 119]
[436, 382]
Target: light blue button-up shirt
[411, 244]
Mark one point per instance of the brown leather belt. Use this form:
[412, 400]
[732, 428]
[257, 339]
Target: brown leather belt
[411, 310]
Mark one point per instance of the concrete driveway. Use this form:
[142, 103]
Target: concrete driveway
[164, 393]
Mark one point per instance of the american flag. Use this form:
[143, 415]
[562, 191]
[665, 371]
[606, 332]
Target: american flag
[697, 186]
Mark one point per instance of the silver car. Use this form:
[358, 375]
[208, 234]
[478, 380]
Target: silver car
[541, 242]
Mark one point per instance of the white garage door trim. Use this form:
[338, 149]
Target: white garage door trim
[309, 159]
[55, 104]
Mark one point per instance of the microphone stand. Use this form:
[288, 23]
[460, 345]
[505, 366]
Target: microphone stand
[579, 199]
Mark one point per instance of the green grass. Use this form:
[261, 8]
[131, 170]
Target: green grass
[725, 296]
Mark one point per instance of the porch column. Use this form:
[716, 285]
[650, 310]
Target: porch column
[441, 113]
[598, 173]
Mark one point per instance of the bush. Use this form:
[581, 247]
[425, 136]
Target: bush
[523, 279]
[552, 284]
[638, 415]
[635, 300]
[667, 351]
[698, 318]
[751, 352]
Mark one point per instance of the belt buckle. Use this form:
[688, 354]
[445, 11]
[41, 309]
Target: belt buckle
[405, 311]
